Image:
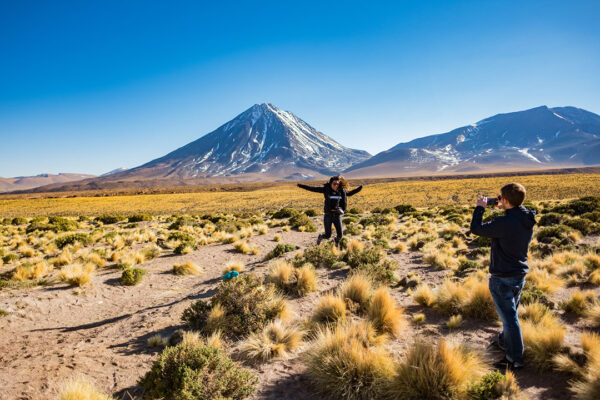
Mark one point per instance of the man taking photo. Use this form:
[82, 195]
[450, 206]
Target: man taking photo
[511, 234]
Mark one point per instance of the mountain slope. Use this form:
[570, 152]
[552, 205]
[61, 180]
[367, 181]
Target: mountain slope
[262, 140]
[30, 182]
[541, 137]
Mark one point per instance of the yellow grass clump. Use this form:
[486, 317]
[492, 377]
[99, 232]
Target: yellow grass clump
[65, 257]
[349, 362]
[580, 302]
[454, 322]
[384, 314]
[329, 309]
[157, 341]
[81, 389]
[187, 268]
[275, 340]
[357, 292]
[544, 280]
[76, 275]
[236, 266]
[424, 295]
[442, 371]
[543, 335]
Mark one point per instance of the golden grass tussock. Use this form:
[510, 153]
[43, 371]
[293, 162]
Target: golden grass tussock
[418, 318]
[586, 370]
[329, 309]
[187, 268]
[349, 362]
[543, 336]
[564, 258]
[545, 281]
[593, 315]
[440, 258]
[454, 322]
[38, 270]
[399, 247]
[384, 314]
[592, 261]
[234, 265]
[580, 302]
[297, 281]
[281, 274]
[355, 246]
[277, 238]
[357, 292]
[436, 371]
[157, 341]
[245, 247]
[306, 280]
[76, 274]
[276, 340]
[81, 389]
[424, 295]
[65, 257]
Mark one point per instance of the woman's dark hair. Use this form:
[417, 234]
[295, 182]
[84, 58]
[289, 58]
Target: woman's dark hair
[341, 179]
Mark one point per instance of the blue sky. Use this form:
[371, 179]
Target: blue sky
[89, 86]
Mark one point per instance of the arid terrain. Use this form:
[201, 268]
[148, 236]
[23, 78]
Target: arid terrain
[68, 313]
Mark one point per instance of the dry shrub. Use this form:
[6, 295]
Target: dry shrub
[442, 371]
[424, 295]
[236, 266]
[239, 306]
[329, 309]
[580, 302]
[275, 340]
[545, 281]
[25, 272]
[399, 247]
[298, 281]
[81, 389]
[349, 362]
[76, 275]
[357, 292]
[454, 322]
[96, 259]
[543, 335]
[187, 268]
[157, 341]
[383, 313]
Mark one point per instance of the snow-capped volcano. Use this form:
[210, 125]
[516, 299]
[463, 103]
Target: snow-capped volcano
[541, 137]
[263, 139]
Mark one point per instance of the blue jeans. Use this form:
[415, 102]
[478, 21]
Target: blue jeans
[506, 293]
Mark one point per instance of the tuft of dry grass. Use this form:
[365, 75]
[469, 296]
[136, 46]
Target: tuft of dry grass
[580, 302]
[244, 247]
[357, 291]
[543, 336]
[298, 281]
[349, 362]
[399, 247]
[76, 275]
[275, 340]
[418, 318]
[424, 295]
[81, 389]
[383, 313]
[545, 280]
[157, 341]
[236, 266]
[454, 322]
[441, 371]
[187, 268]
[355, 246]
[65, 257]
[277, 238]
[329, 309]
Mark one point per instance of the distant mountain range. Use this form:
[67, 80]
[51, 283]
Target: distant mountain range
[538, 138]
[265, 143]
[29, 182]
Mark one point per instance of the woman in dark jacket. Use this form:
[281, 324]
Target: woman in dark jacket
[335, 192]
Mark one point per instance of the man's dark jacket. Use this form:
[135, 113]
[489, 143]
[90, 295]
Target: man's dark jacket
[511, 235]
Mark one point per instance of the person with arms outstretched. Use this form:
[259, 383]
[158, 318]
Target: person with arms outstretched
[336, 194]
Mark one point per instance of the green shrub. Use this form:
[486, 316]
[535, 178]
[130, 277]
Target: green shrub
[280, 249]
[10, 257]
[132, 276]
[582, 225]
[320, 256]
[466, 264]
[482, 241]
[549, 234]
[487, 387]
[531, 294]
[19, 221]
[188, 372]
[72, 238]
[551, 219]
[579, 206]
[55, 224]
[355, 211]
[372, 261]
[302, 220]
[311, 212]
[285, 212]
[592, 216]
[3, 313]
[246, 305]
[405, 208]
[139, 218]
[108, 219]
[374, 219]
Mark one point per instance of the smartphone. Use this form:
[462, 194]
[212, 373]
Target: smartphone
[492, 201]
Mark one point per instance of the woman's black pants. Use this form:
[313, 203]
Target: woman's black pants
[336, 220]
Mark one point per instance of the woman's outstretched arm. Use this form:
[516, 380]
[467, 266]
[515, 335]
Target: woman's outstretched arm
[319, 189]
[354, 191]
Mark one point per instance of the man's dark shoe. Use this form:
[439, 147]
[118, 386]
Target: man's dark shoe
[505, 364]
[497, 344]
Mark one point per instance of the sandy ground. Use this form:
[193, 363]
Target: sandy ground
[101, 331]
